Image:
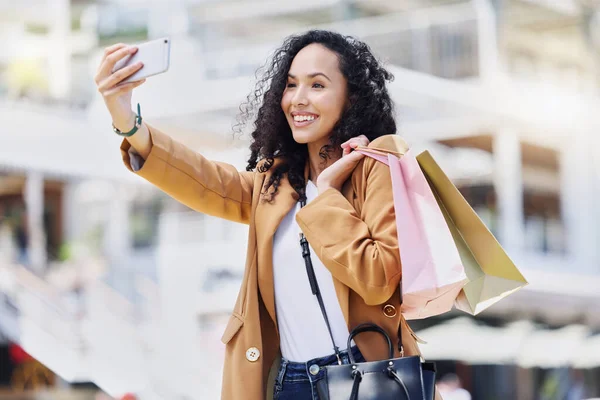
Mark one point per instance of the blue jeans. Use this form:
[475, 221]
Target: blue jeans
[298, 380]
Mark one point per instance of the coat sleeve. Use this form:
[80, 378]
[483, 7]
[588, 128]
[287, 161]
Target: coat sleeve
[206, 186]
[360, 250]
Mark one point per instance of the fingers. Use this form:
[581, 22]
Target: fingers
[123, 88]
[110, 59]
[111, 49]
[107, 52]
[353, 143]
[354, 156]
[120, 75]
[362, 139]
[106, 80]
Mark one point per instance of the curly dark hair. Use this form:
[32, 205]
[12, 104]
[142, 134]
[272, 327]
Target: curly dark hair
[370, 110]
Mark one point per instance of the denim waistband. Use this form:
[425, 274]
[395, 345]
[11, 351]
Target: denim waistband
[291, 371]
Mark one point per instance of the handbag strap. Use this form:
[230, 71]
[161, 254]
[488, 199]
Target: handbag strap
[314, 286]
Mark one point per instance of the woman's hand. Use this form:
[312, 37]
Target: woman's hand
[334, 176]
[117, 97]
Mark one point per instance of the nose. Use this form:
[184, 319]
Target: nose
[300, 97]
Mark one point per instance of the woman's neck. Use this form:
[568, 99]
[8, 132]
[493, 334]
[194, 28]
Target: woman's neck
[316, 163]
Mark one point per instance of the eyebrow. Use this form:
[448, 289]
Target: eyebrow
[314, 74]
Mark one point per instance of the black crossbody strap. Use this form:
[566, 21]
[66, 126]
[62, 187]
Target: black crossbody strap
[314, 286]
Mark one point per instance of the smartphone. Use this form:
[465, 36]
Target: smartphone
[155, 55]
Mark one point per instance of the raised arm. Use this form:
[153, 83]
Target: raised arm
[210, 187]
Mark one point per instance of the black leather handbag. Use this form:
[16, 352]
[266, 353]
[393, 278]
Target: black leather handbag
[403, 378]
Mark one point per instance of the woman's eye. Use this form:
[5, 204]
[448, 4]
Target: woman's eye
[290, 85]
[318, 86]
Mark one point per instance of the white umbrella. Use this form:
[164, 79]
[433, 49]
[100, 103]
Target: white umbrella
[588, 355]
[465, 340]
[552, 348]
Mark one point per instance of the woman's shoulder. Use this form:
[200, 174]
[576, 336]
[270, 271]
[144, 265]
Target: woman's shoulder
[371, 168]
[393, 144]
[371, 172]
[390, 143]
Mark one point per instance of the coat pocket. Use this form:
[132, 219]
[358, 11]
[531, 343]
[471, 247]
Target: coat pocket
[233, 326]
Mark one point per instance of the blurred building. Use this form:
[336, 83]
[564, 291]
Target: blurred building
[503, 92]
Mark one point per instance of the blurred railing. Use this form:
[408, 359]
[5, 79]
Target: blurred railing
[446, 50]
[45, 307]
[441, 41]
[37, 316]
[98, 336]
[122, 342]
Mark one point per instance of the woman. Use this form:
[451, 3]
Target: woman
[323, 95]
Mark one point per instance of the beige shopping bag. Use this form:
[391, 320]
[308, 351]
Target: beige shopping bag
[492, 274]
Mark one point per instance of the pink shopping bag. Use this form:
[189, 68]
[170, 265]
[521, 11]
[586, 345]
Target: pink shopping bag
[432, 271]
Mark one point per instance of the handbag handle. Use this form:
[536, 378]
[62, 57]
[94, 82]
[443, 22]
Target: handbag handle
[368, 327]
[391, 371]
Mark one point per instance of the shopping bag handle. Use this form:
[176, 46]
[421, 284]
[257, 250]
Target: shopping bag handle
[379, 154]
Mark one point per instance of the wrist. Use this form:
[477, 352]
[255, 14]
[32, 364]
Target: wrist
[323, 187]
[125, 124]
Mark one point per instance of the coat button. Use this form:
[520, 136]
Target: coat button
[252, 354]
[389, 311]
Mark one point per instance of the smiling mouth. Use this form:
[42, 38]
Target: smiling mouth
[301, 120]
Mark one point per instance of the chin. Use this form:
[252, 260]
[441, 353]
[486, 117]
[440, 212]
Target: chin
[304, 136]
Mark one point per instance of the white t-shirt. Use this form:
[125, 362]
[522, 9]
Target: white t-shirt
[302, 329]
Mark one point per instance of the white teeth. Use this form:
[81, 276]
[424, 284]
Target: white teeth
[300, 118]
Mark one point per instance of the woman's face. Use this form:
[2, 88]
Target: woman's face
[315, 95]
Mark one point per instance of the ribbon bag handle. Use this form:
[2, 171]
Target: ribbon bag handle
[375, 154]
[380, 154]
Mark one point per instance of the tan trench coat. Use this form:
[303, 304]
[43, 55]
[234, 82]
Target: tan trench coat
[353, 233]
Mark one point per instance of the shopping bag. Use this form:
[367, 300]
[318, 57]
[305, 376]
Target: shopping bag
[432, 270]
[491, 273]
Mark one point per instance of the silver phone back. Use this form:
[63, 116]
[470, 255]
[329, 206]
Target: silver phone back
[155, 55]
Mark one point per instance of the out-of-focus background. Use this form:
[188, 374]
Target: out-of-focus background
[108, 286]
